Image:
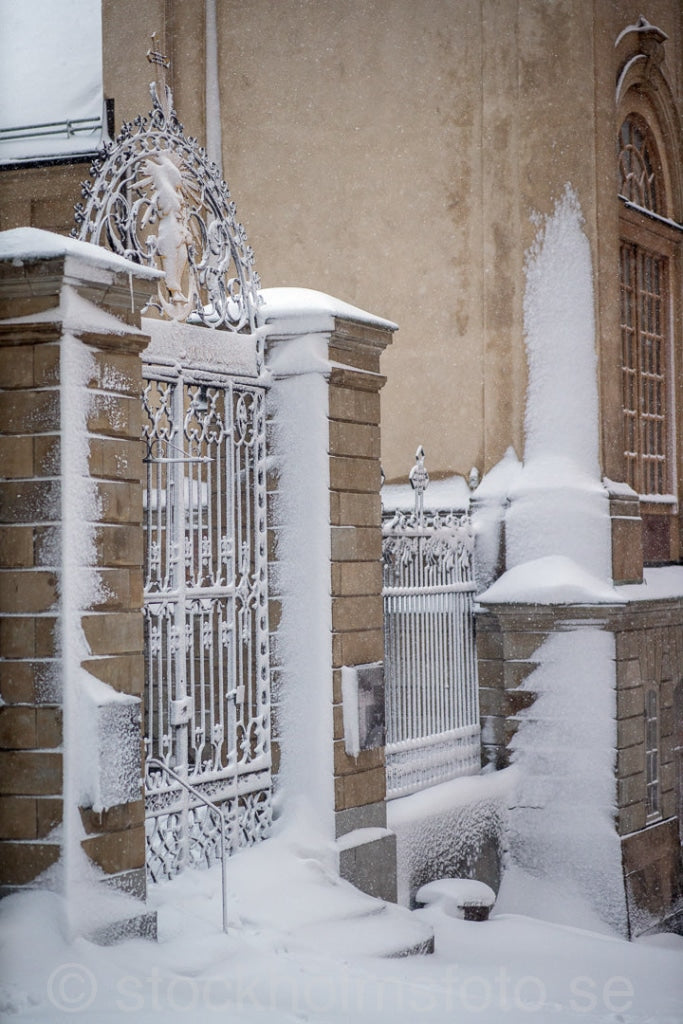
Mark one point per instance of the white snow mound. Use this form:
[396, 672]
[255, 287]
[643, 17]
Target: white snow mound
[553, 579]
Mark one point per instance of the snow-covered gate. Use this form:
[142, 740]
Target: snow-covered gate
[207, 687]
[432, 698]
[156, 199]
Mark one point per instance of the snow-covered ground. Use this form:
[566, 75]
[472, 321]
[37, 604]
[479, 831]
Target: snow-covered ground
[277, 965]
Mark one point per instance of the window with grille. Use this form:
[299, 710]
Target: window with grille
[644, 368]
[651, 755]
[648, 241]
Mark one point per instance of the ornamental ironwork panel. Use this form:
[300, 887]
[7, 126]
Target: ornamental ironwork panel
[156, 199]
[207, 701]
[432, 697]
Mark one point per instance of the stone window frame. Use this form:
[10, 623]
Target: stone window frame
[654, 236]
[653, 793]
[646, 362]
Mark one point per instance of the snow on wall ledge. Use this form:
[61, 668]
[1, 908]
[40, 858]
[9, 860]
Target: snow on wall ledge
[553, 579]
[31, 245]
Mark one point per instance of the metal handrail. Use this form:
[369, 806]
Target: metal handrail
[155, 762]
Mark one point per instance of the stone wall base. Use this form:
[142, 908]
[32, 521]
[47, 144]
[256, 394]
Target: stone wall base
[369, 863]
[648, 653]
[652, 878]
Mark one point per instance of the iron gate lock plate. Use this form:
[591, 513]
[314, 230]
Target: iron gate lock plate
[181, 711]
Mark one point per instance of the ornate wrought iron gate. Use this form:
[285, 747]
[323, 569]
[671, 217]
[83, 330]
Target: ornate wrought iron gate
[432, 699]
[156, 199]
[207, 692]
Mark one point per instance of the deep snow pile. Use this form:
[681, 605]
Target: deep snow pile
[562, 827]
[558, 505]
[510, 968]
[558, 552]
[456, 829]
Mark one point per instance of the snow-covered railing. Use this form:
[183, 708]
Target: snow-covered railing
[432, 701]
[157, 765]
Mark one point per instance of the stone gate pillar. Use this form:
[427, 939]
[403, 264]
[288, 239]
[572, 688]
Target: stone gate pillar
[326, 573]
[71, 668]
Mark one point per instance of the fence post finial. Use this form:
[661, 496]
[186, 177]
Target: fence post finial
[419, 480]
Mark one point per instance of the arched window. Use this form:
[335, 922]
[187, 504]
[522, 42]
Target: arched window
[639, 169]
[649, 237]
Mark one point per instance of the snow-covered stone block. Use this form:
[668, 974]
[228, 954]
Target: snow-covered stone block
[458, 897]
[110, 765]
[367, 859]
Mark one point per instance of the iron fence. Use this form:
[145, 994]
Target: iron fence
[432, 700]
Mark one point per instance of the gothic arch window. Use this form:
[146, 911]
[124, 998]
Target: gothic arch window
[649, 238]
[640, 176]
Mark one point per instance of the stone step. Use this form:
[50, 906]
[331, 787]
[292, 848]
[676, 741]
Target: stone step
[386, 931]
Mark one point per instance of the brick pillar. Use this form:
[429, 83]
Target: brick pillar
[71, 673]
[327, 354]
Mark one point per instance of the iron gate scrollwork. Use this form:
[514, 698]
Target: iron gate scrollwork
[207, 708]
[156, 199]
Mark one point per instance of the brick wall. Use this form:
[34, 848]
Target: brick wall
[31, 769]
[649, 639]
[356, 524]
[47, 552]
[649, 655]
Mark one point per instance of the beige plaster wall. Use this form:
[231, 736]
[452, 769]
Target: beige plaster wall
[392, 152]
[127, 27]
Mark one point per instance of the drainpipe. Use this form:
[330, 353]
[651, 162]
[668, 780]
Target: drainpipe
[214, 146]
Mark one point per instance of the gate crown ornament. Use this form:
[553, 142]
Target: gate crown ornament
[156, 199]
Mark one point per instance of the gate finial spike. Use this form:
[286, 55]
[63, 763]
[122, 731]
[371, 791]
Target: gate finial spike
[419, 479]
